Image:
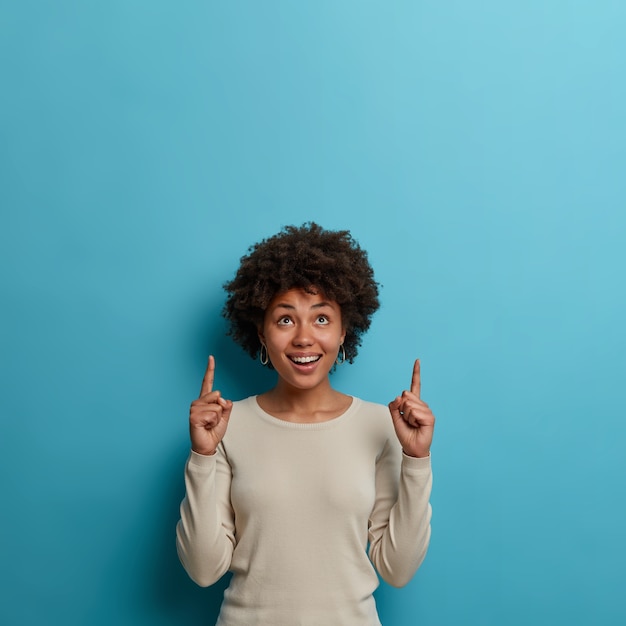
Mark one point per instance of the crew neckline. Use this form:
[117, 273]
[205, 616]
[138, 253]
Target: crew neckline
[281, 423]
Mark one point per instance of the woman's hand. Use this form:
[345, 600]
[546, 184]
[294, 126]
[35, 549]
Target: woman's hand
[412, 418]
[208, 415]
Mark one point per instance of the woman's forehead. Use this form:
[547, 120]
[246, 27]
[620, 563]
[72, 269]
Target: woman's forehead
[298, 298]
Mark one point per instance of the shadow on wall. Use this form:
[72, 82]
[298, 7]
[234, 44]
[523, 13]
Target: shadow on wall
[237, 375]
[169, 592]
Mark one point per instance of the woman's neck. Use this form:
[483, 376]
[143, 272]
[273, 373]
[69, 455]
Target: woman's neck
[319, 404]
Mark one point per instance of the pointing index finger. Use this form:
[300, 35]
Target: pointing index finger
[416, 381]
[209, 375]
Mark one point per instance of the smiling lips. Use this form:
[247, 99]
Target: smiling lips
[305, 360]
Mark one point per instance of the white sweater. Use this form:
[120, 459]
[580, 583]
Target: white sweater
[289, 508]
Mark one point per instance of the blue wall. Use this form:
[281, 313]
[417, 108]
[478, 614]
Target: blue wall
[476, 149]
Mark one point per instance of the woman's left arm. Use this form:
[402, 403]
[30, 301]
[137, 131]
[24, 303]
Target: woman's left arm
[399, 531]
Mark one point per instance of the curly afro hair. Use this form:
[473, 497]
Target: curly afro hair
[306, 257]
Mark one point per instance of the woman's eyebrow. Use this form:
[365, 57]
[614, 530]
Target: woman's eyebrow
[317, 305]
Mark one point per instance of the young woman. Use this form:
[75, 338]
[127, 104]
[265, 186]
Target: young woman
[303, 492]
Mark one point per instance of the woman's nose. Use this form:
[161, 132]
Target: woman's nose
[303, 336]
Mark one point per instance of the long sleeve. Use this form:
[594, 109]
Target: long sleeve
[205, 533]
[399, 531]
[306, 498]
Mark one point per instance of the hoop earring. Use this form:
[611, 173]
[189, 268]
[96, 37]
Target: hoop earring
[343, 356]
[264, 360]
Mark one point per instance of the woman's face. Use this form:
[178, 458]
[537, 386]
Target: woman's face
[302, 333]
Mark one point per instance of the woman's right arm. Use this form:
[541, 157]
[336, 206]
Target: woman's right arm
[205, 534]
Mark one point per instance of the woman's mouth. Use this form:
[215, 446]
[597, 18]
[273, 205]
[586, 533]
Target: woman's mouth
[305, 360]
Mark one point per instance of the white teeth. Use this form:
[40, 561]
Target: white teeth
[304, 359]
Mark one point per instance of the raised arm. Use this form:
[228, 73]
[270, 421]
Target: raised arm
[400, 522]
[205, 533]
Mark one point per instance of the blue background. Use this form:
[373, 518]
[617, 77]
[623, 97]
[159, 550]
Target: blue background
[477, 150]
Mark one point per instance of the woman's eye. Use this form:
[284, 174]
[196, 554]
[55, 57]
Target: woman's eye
[322, 319]
[284, 321]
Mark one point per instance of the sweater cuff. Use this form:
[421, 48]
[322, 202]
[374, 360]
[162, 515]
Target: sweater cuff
[415, 463]
[201, 461]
